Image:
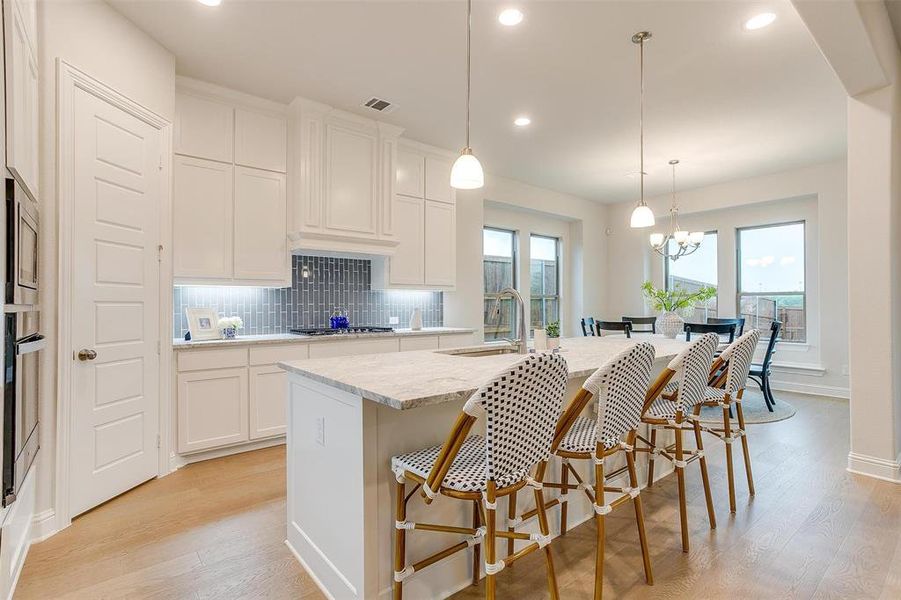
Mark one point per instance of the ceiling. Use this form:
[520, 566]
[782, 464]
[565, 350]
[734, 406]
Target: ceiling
[728, 103]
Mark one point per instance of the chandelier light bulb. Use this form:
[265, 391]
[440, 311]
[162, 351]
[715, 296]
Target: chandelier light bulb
[696, 237]
[656, 239]
[681, 237]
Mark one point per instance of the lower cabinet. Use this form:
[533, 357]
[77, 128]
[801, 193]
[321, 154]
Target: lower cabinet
[212, 408]
[267, 401]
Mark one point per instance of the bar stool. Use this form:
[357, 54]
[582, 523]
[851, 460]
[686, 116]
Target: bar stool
[671, 412]
[726, 391]
[521, 405]
[621, 389]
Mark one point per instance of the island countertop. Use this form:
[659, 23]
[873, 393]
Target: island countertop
[406, 380]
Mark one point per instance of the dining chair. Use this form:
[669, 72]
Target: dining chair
[587, 326]
[739, 323]
[623, 326]
[727, 391]
[621, 388]
[672, 411]
[652, 321]
[724, 329]
[760, 372]
[526, 397]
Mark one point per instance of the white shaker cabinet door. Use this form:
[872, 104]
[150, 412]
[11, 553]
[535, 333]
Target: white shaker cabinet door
[437, 179]
[261, 236]
[261, 140]
[204, 127]
[212, 409]
[268, 391]
[410, 174]
[21, 100]
[351, 181]
[407, 266]
[203, 216]
[440, 244]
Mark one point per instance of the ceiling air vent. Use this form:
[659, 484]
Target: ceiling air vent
[380, 106]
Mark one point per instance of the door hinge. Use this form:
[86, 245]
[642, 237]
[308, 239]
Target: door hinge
[159, 253]
[157, 347]
[161, 162]
[157, 440]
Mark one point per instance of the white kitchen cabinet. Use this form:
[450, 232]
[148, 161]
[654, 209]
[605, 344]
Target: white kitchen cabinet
[261, 140]
[407, 266]
[260, 238]
[267, 401]
[410, 174]
[21, 93]
[212, 409]
[440, 244]
[203, 219]
[351, 200]
[437, 179]
[204, 127]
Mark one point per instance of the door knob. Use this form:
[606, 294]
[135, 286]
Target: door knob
[87, 354]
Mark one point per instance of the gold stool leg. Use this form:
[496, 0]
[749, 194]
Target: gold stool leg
[711, 515]
[599, 520]
[639, 516]
[727, 432]
[545, 530]
[680, 478]
[744, 443]
[511, 514]
[490, 539]
[400, 514]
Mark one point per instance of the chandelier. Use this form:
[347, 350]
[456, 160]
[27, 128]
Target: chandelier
[685, 242]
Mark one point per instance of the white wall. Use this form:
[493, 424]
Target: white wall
[94, 38]
[815, 194]
[529, 208]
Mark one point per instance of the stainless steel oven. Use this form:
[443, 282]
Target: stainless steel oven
[22, 241]
[23, 344]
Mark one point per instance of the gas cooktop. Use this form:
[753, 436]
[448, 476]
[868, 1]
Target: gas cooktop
[348, 330]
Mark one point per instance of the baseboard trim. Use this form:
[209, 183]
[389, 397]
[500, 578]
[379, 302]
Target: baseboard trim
[309, 571]
[43, 525]
[811, 389]
[878, 468]
[177, 461]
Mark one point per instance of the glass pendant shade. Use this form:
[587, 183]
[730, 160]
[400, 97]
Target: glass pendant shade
[642, 217]
[680, 236]
[467, 173]
[656, 239]
[696, 237]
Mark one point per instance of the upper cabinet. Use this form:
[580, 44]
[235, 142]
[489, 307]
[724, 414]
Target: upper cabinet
[342, 197]
[21, 83]
[230, 200]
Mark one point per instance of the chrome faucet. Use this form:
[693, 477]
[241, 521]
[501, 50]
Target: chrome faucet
[522, 341]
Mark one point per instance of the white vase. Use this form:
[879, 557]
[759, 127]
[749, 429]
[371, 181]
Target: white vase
[416, 319]
[540, 340]
[670, 324]
[553, 343]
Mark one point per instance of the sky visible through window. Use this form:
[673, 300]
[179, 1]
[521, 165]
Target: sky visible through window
[497, 243]
[700, 265]
[772, 259]
[543, 248]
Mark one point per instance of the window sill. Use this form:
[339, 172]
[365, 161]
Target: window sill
[787, 346]
[800, 368]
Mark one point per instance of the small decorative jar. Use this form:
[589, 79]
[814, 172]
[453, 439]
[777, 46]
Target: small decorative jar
[229, 333]
[670, 324]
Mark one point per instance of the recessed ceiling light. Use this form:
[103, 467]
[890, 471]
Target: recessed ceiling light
[760, 21]
[522, 121]
[510, 17]
[210, 2]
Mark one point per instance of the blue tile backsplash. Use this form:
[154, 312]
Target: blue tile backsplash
[332, 283]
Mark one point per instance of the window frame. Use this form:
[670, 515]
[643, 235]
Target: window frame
[739, 293]
[667, 264]
[514, 235]
[558, 254]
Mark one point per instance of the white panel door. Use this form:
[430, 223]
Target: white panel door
[440, 244]
[116, 307]
[268, 393]
[261, 218]
[407, 265]
[204, 128]
[261, 140]
[203, 215]
[351, 181]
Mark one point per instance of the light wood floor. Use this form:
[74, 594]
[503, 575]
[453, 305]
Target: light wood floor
[216, 530]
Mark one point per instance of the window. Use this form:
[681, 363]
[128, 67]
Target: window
[544, 272]
[771, 279]
[499, 269]
[692, 272]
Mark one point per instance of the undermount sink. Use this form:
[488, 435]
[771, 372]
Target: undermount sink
[479, 351]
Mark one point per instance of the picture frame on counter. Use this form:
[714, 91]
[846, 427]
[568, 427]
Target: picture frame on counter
[203, 323]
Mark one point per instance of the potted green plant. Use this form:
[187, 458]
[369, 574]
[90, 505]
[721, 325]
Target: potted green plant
[671, 303]
[553, 335]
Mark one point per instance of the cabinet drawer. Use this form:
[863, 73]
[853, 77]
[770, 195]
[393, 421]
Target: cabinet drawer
[419, 342]
[195, 360]
[351, 347]
[269, 355]
[212, 409]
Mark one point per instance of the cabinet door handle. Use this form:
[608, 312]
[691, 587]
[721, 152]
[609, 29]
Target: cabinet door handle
[87, 354]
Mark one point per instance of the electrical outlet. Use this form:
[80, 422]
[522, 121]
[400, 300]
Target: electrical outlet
[320, 431]
[393, 320]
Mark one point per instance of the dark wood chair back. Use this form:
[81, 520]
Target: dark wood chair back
[652, 321]
[624, 326]
[775, 329]
[719, 329]
[739, 323]
[587, 326]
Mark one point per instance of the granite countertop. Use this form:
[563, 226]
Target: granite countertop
[405, 380]
[292, 338]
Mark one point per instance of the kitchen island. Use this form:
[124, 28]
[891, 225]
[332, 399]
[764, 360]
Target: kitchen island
[348, 416]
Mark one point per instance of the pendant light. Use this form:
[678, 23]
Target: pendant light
[467, 173]
[642, 216]
[686, 242]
